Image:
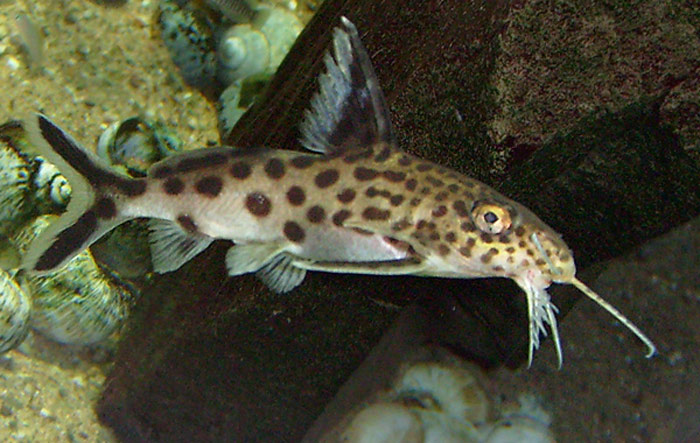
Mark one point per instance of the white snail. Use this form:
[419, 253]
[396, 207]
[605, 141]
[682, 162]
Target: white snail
[442, 402]
[257, 49]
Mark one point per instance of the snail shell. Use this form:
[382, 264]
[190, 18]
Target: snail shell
[15, 184]
[79, 304]
[15, 309]
[244, 51]
[188, 33]
[52, 189]
[257, 49]
[452, 390]
[134, 144]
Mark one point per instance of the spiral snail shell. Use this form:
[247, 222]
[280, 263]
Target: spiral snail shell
[257, 49]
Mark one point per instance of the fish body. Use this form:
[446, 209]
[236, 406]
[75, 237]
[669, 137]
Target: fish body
[353, 203]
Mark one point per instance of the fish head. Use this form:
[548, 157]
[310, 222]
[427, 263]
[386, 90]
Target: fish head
[525, 249]
[513, 242]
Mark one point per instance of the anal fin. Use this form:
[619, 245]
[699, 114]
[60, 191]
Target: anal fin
[250, 257]
[172, 246]
[281, 275]
[274, 267]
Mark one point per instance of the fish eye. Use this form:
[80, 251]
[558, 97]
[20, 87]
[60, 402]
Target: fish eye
[490, 217]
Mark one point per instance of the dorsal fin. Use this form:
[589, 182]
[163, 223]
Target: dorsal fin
[349, 110]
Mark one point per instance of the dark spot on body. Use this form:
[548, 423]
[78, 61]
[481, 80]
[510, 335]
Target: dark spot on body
[105, 208]
[425, 190]
[294, 232]
[383, 155]
[465, 251]
[274, 168]
[440, 196]
[460, 208]
[520, 231]
[486, 258]
[453, 188]
[451, 237]
[434, 236]
[440, 211]
[486, 238]
[346, 196]
[302, 161]
[357, 154]
[400, 225]
[374, 213]
[364, 174]
[316, 214]
[498, 268]
[411, 184]
[373, 192]
[394, 176]
[340, 217]
[326, 178]
[258, 204]
[467, 226]
[434, 181]
[186, 222]
[209, 186]
[130, 187]
[415, 201]
[423, 167]
[296, 196]
[540, 262]
[173, 186]
[240, 170]
[504, 239]
[162, 171]
[443, 249]
[396, 200]
[510, 249]
[404, 160]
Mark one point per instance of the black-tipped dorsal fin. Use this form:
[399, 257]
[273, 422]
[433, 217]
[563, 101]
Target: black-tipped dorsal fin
[349, 110]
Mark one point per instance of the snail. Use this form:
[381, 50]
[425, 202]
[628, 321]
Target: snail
[134, 144]
[15, 309]
[256, 49]
[444, 401]
[79, 305]
[15, 188]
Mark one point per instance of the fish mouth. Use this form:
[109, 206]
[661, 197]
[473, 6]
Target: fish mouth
[542, 311]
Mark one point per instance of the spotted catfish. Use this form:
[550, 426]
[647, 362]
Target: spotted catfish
[355, 203]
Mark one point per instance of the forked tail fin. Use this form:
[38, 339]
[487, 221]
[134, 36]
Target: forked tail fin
[93, 209]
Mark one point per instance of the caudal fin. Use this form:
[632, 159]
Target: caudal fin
[92, 210]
